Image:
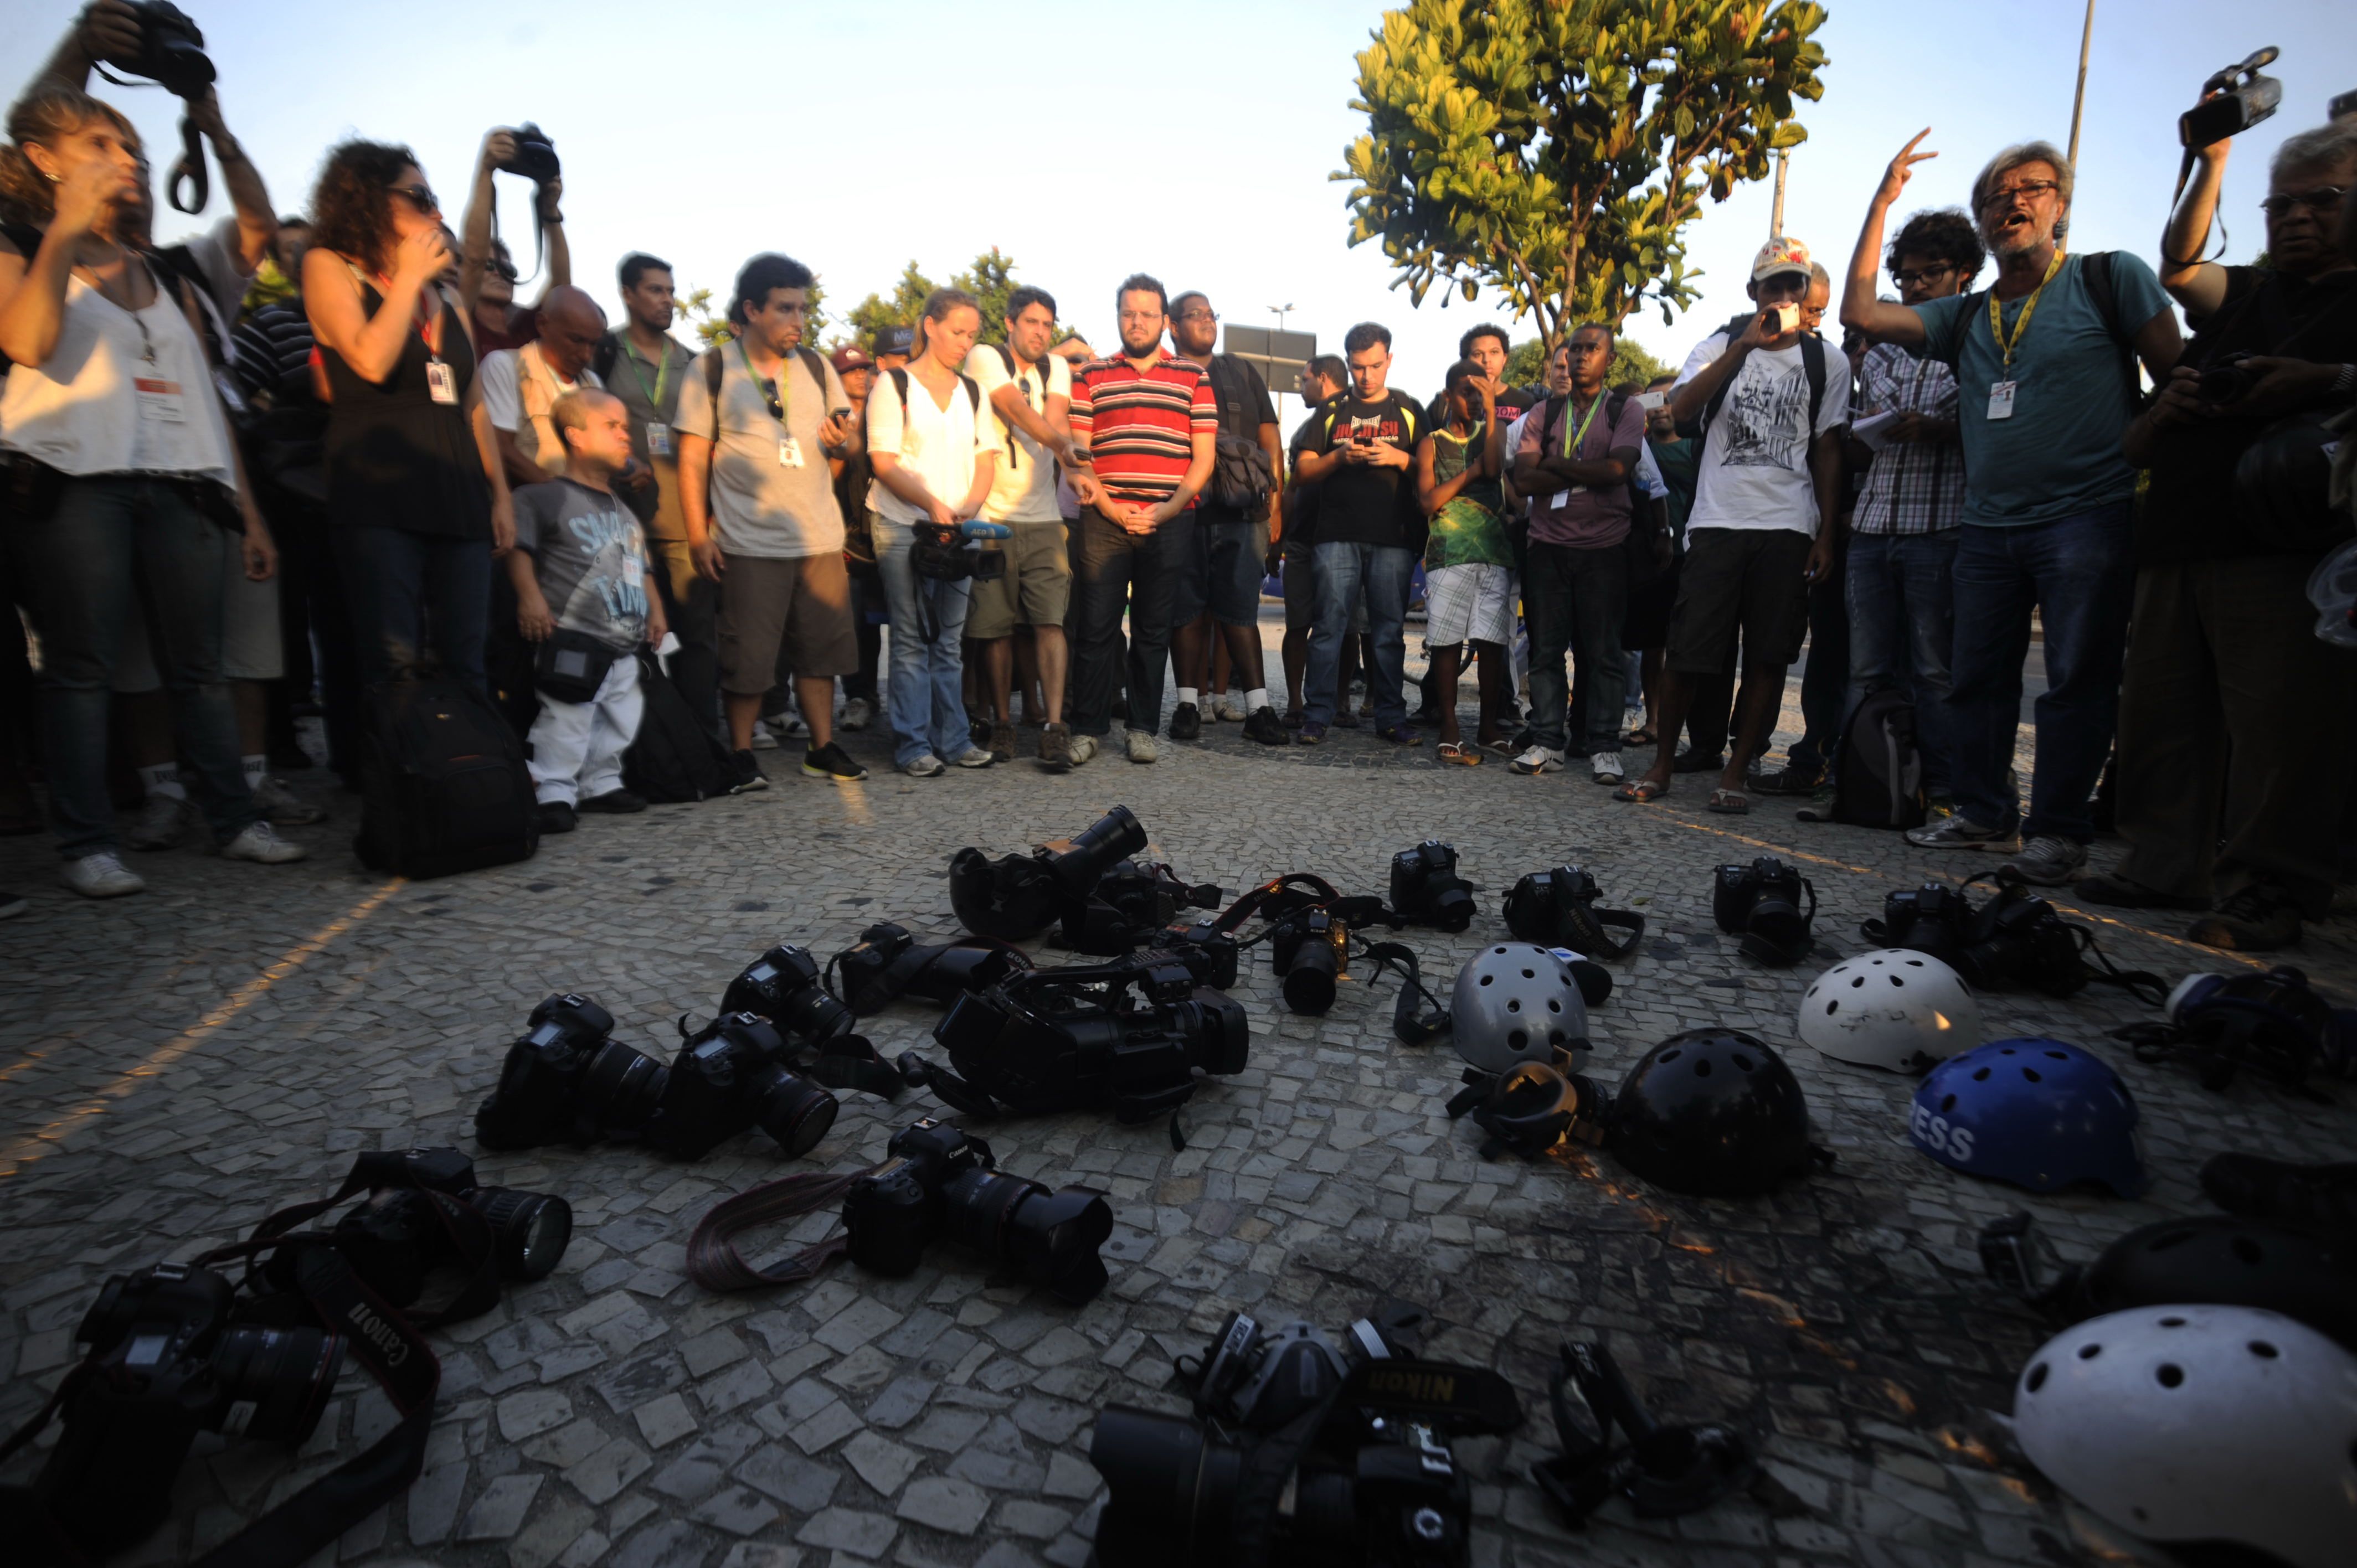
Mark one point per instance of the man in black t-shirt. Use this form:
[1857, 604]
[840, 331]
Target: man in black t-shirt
[1323, 379]
[1369, 530]
[2234, 719]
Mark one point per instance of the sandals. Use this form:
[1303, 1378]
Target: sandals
[1643, 735]
[1639, 792]
[1730, 802]
[1462, 755]
[1501, 747]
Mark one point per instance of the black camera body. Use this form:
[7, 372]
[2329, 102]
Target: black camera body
[1556, 909]
[569, 1081]
[731, 1076]
[1217, 950]
[1761, 902]
[938, 1182]
[402, 1233]
[784, 986]
[535, 156]
[1933, 919]
[2226, 378]
[2019, 941]
[1427, 890]
[1311, 949]
[2245, 98]
[1132, 905]
[166, 1362]
[1057, 1039]
[171, 50]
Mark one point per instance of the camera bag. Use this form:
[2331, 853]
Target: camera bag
[1877, 771]
[443, 787]
[570, 666]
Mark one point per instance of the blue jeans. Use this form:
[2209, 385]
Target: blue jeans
[925, 702]
[118, 546]
[407, 590]
[1902, 616]
[2076, 572]
[1382, 572]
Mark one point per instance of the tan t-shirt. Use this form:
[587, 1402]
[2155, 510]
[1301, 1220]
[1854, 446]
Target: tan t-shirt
[762, 504]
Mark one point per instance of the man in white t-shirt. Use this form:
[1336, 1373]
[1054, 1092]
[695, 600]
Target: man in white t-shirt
[521, 385]
[1030, 392]
[1772, 399]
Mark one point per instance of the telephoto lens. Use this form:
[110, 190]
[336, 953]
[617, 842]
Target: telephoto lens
[1173, 1486]
[1093, 851]
[784, 986]
[622, 1088]
[1051, 1238]
[1309, 949]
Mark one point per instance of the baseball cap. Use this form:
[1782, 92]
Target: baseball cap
[903, 339]
[1781, 254]
[851, 357]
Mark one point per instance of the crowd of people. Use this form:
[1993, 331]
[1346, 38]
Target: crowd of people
[261, 473]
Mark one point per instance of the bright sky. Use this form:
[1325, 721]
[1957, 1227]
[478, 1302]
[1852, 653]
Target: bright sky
[857, 137]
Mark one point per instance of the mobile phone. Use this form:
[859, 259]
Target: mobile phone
[1652, 399]
[842, 412]
[1786, 317]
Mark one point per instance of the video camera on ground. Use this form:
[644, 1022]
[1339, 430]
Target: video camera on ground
[886, 964]
[1301, 1449]
[1108, 904]
[1557, 909]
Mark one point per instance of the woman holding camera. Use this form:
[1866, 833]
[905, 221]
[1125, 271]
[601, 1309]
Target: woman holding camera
[124, 487]
[934, 452]
[415, 488]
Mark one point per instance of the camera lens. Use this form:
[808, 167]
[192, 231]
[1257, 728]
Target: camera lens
[274, 1383]
[888, 1218]
[1452, 907]
[1216, 1029]
[811, 1013]
[1173, 1486]
[1113, 836]
[1309, 979]
[1050, 1237]
[530, 1230]
[622, 1086]
[796, 1113]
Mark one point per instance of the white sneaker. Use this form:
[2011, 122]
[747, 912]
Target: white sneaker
[857, 715]
[1084, 747]
[1605, 767]
[975, 757]
[162, 823]
[926, 766]
[100, 876]
[1230, 708]
[764, 739]
[2049, 862]
[1141, 747]
[281, 807]
[790, 726]
[262, 844]
[1538, 759]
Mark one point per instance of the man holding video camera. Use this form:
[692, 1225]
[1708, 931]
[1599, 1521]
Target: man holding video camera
[2234, 750]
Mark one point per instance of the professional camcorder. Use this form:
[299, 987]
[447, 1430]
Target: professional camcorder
[2243, 99]
[886, 964]
[1302, 1450]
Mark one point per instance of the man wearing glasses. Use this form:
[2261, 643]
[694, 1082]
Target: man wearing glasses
[2233, 718]
[1903, 534]
[2045, 388]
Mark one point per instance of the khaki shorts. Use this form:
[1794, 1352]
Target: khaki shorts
[801, 602]
[1035, 590]
[249, 647]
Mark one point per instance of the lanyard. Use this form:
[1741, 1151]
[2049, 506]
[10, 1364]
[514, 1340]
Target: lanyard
[2005, 346]
[424, 322]
[662, 373]
[784, 403]
[1571, 443]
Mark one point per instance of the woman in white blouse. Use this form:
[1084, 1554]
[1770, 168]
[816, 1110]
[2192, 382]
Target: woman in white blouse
[936, 447]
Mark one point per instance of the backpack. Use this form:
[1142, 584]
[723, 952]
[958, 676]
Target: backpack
[1014, 374]
[673, 758]
[444, 788]
[712, 368]
[1813, 363]
[972, 391]
[1241, 478]
[1877, 773]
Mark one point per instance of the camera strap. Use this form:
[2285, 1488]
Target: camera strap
[1409, 1027]
[469, 1231]
[1663, 1472]
[713, 1259]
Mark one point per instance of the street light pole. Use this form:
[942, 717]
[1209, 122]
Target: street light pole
[1280, 312]
[2079, 99]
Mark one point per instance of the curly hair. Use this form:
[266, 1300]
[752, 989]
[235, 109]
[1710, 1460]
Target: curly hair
[352, 207]
[1943, 235]
[43, 116]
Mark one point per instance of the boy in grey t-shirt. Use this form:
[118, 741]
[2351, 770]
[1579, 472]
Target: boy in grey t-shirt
[580, 566]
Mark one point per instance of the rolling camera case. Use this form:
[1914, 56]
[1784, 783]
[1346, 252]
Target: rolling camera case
[446, 789]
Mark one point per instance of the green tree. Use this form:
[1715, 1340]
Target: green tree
[1526, 363]
[1554, 150]
[990, 279]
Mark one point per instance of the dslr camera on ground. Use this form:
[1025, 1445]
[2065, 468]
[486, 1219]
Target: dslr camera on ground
[941, 1182]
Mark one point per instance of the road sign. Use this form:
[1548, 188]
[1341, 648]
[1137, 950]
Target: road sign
[1279, 357]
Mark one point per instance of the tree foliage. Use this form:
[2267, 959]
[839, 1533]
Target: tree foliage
[990, 279]
[1554, 150]
[1526, 364]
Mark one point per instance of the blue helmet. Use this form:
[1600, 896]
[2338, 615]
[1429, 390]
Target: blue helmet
[2035, 1112]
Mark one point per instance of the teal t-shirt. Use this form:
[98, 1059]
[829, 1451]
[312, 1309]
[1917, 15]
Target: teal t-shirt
[2075, 390]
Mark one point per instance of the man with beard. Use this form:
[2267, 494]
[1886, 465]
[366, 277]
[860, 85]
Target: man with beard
[2045, 389]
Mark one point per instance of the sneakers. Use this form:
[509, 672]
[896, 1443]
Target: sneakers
[100, 876]
[1538, 759]
[857, 715]
[1186, 723]
[261, 844]
[925, 766]
[281, 807]
[1961, 831]
[1263, 725]
[763, 739]
[1142, 747]
[746, 774]
[1400, 734]
[557, 817]
[830, 761]
[1056, 745]
[162, 823]
[976, 756]
[1312, 732]
[1605, 767]
[1230, 708]
[2260, 918]
[1084, 747]
[620, 802]
[1789, 781]
[1001, 742]
[2121, 893]
[2048, 861]
[787, 725]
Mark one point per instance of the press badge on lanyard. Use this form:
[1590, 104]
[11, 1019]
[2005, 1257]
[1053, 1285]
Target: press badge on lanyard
[441, 382]
[658, 440]
[790, 453]
[160, 400]
[2001, 400]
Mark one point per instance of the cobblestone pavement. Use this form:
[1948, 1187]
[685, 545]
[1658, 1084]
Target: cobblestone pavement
[178, 1065]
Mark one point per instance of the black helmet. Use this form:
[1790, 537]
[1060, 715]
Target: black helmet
[2220, 1260]
[1711, 1112]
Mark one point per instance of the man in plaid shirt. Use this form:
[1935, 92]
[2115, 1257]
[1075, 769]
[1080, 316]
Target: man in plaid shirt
[1903, 534]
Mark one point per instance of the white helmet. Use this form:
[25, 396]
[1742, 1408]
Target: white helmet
[1518, 1001]
[1893, 1008]
[2186, 1423]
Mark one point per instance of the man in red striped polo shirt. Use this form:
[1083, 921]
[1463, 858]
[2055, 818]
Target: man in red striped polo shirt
[1151, 426]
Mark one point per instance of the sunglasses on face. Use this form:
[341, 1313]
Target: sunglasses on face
[418, 195]
[1903, 276]
[2321, 200]
[2028, 190]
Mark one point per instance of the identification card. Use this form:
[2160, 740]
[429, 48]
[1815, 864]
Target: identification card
[790, 453]
[441, 382]
[1560, 499]
[160, 400]
[658, 440]
[2000, 400]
